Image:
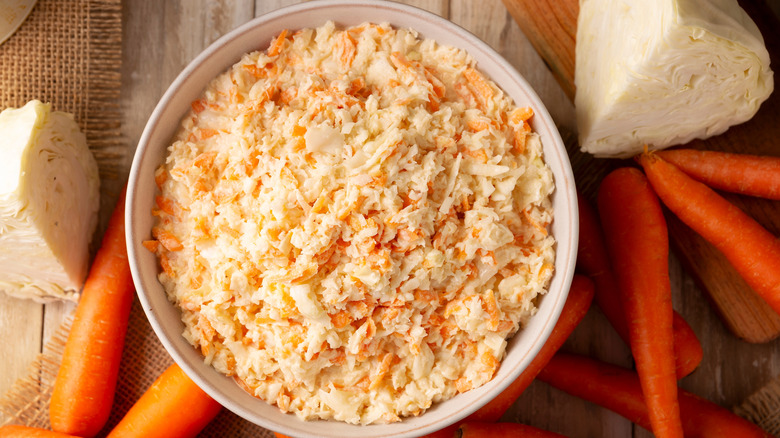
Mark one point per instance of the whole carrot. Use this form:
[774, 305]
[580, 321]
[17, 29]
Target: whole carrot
[577, 305]
[279, 435]
[14, 431]
[751, 175]
[503, 430]
[84, 389]
[750, 248]
[618, 389]
[173, 407]
[638, 246]
[592, 259]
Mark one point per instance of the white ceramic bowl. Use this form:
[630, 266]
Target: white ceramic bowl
[256, 34]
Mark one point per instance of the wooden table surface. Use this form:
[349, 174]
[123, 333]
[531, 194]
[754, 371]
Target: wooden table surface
[160, 38]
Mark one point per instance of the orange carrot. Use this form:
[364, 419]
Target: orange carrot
[84, 388]
[638, 246]
[739, 173]
[592, 259]
[279, 435]
[577, 305]
[750, 248]
[276, 45]
[173, 407]
[503, 430]
[15, 431]
[618, 389]
[688, 352]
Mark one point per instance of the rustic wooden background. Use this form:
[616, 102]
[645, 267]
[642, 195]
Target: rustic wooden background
[160, 38]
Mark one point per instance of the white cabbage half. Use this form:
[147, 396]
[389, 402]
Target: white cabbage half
[665, 72]
[49, 200]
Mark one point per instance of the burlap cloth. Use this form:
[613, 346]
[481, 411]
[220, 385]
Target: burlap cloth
[69, 53]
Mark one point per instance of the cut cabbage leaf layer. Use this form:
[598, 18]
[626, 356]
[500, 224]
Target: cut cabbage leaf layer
[665, 72]
[49, 201]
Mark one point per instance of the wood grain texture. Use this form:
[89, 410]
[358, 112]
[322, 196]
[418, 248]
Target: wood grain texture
[21, 327]
[551, 26]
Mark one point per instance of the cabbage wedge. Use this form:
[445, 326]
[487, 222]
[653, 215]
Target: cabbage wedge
[49, 200]
[665, 72]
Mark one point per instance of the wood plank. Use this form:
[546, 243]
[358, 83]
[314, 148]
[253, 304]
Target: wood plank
[142, 52]
[21, 324]
[191, 26]
[552, 32]
[54, 314]
[266, 6]
[439, 7]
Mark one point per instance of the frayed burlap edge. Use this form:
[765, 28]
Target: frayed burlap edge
[27, 402]
[763, 407]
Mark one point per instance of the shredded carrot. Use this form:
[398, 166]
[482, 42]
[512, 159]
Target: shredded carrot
[165, 204]
[479, 154]
[356, 86]
[477, 125]
[208, 133]
[276, 46]
[165, 264]
[490, 305]
[346, 48]
[151, 245]
[433, 103]
[381, 371]
[400, 61]
[160, 176]
[520, 115]
[204, 160]
[198, 106]
[341, 319]
[287, 95]
[480, 86]
[463, 385]
[534, 223]
[437, 85]
[257, 72]
[167, 239]
[465, 94]
[490, 361]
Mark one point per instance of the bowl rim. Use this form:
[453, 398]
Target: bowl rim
[562, 188]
